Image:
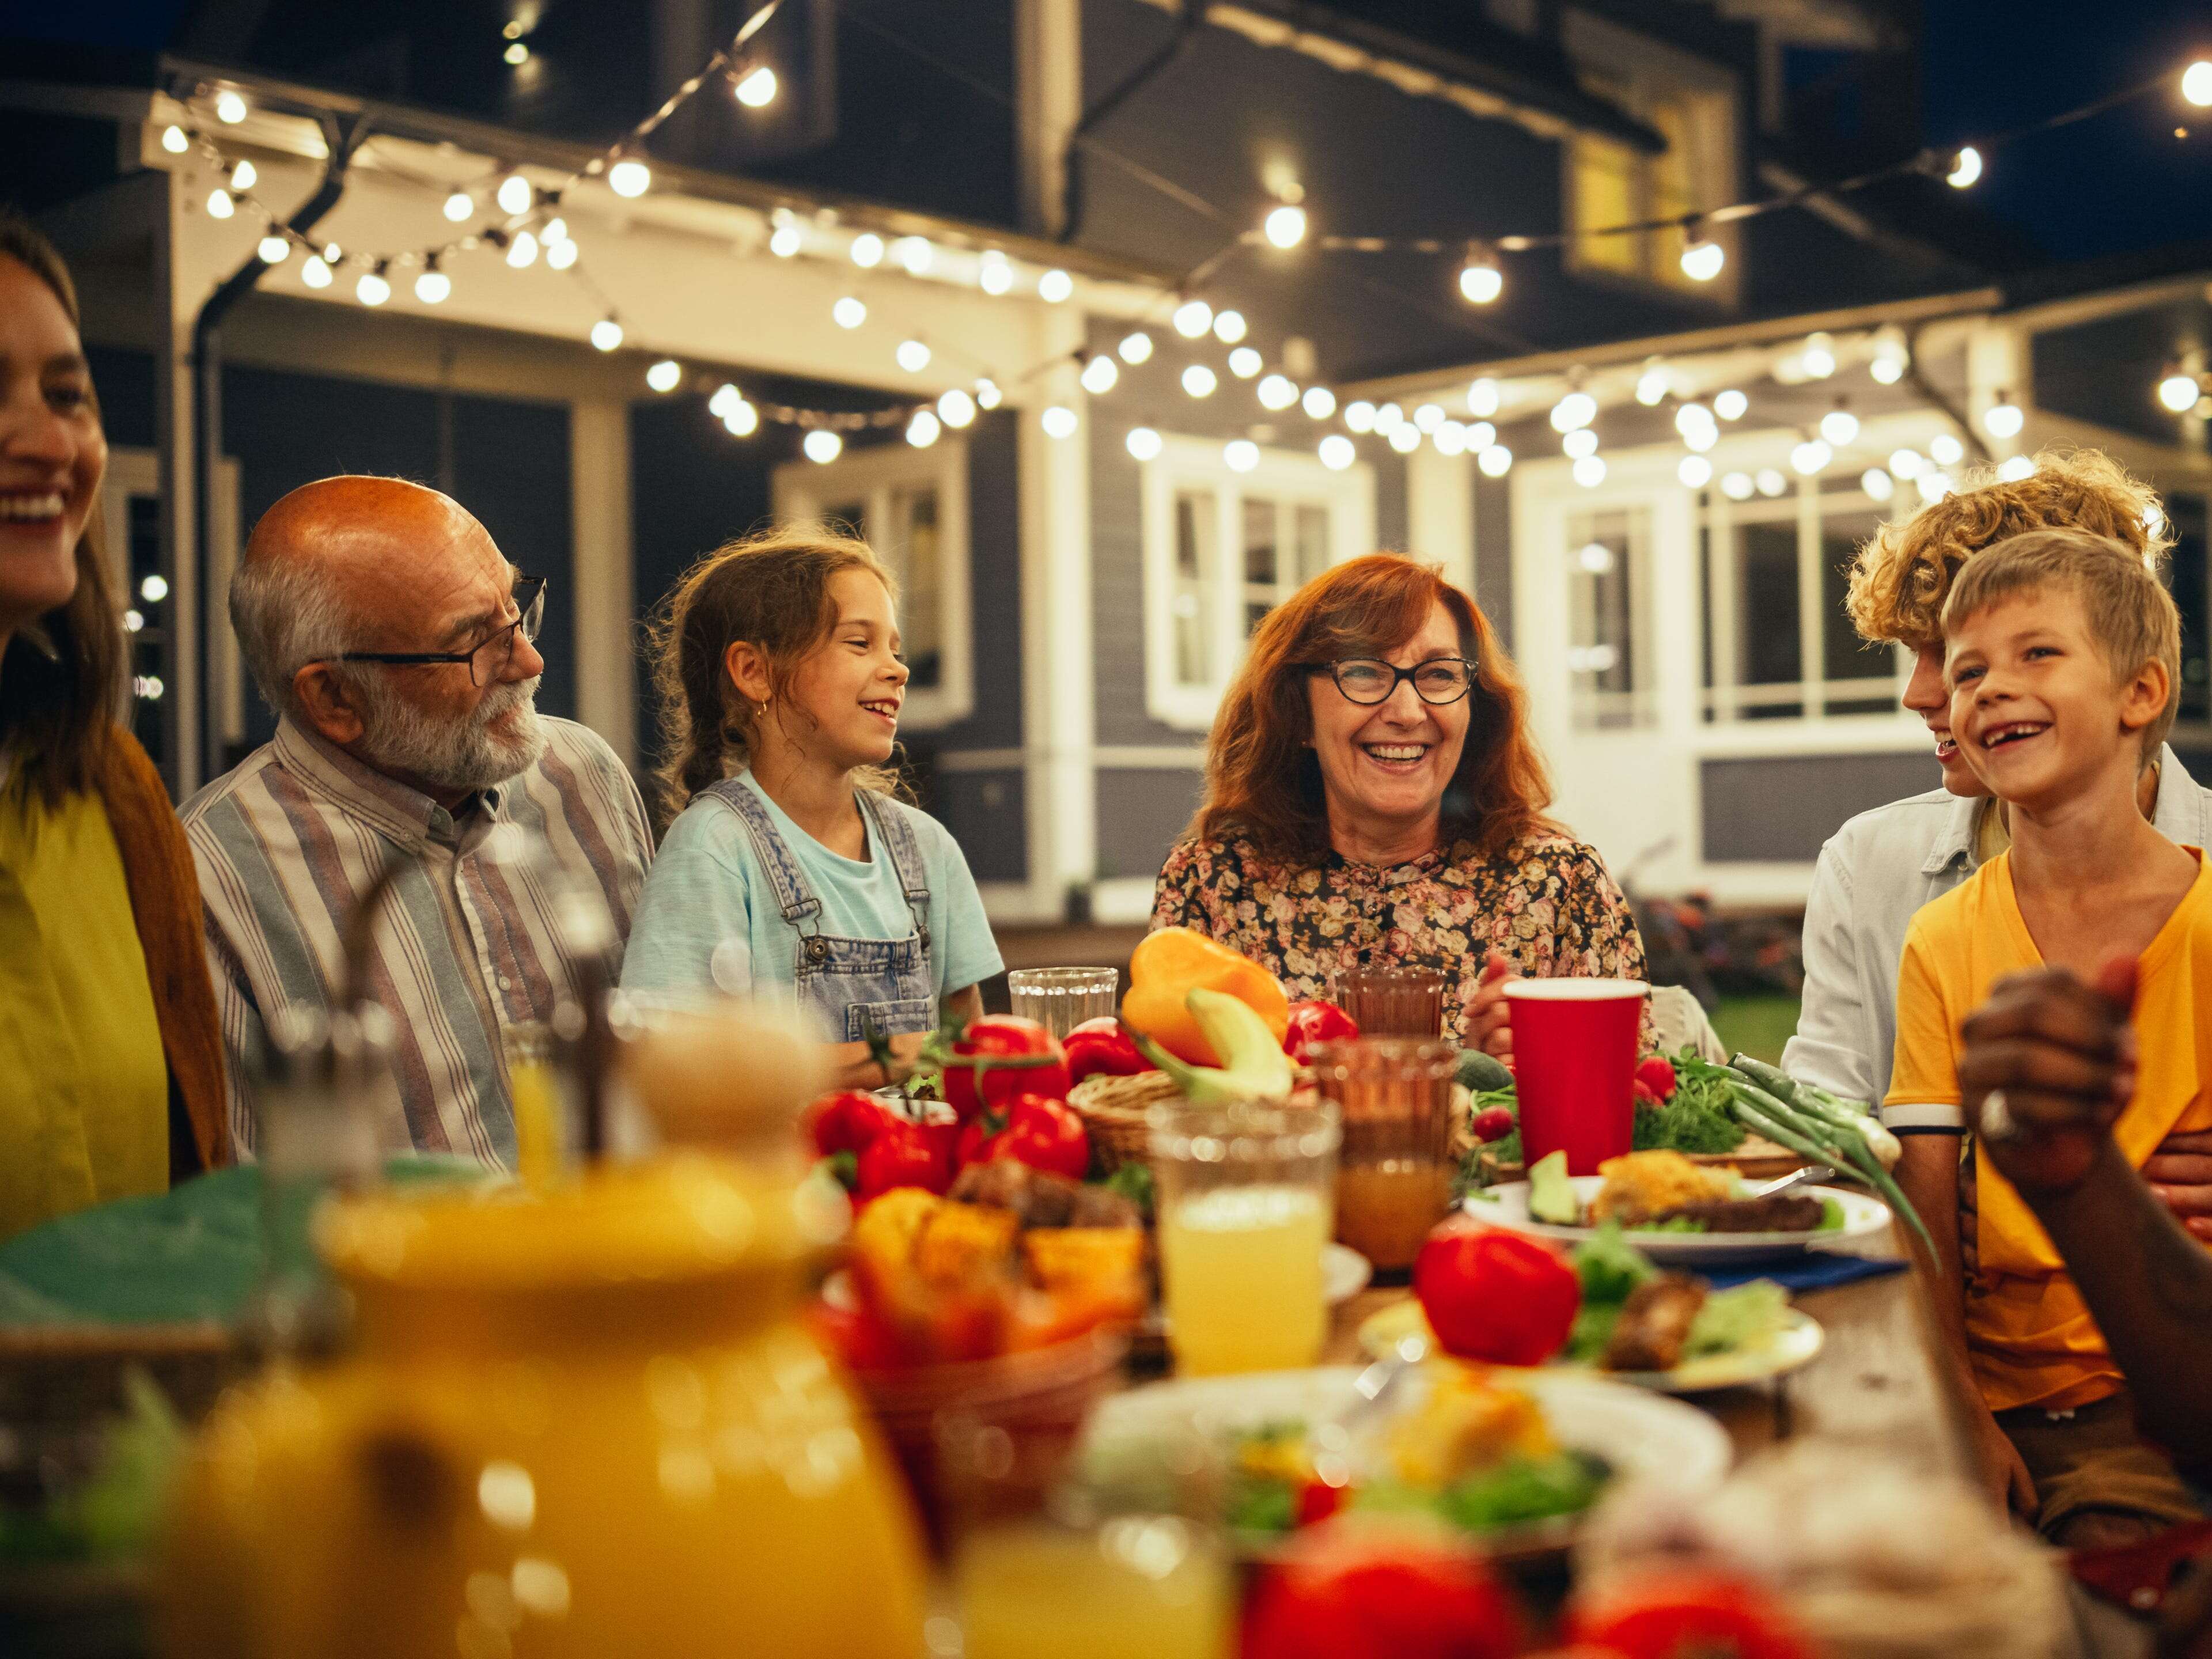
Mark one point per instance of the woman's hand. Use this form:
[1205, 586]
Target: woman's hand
[1488, 1022]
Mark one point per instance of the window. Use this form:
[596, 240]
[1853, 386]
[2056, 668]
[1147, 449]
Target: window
[1222, 549]
[1779, 645]
[1692, 105]
[2186, 573]
[1610, 661]
[911, 505]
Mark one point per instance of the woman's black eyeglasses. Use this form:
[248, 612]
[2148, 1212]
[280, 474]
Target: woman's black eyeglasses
[488, 658]
[1371, 680]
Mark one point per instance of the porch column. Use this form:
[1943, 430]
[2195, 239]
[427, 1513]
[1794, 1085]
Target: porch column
[1997, 364]
[1440, 513]
[1048, 104]
[599, 486]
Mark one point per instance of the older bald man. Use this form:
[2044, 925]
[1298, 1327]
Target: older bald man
[397, 646]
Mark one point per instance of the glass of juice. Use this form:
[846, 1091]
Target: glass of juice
[1392, 999]
[1061, 998]
[1574, 1063]
[1244, 1202]
[1393, 1172]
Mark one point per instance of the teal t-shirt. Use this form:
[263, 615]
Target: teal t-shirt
[709, 919]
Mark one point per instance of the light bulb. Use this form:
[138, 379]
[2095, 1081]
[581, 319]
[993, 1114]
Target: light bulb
[1482, 399]
[787, 240]
[517, 54]
[2196, 82]
[665, 375]
[229, 108]
[1692, 417]
[1059, 421]
[1429, 416]
[2003, 418]
[1590, 471]
[433, 287]
[867, 250]
[2178, 392]
[1581, 442]
[1965, 169]
[1771, 483]
[1193, 317]
[154, 588]
[1695, 471]
[134, 621]
[1054, 286]
[757, 89]
[174, 141]
[1450, 438]
[1319, 403]
[1819, 356]
[956, 409]
[220, 206]
[1809, 457]
[726, 397]
[1228, 326]
[1338, 452]
[923, 430]
[742, 419]
[1840, 427]
[606, 334]
[1730, 405]
[1737, 486]
[822, 446]
[1576, 409]
[1388, 417]
[372, 289]
[554, 230]
[1480, 436]
[1481, 282]
[522, 251]
[244, 176]
[913, 355]
[1946, 449]
[1877, 483]
[1495, 460]
[460, 206]
[316, 272]
[1240, 454]
[914, 254]
[2153, 518]
[1285, 227]
[1405, 437]
[1244, 362]
[1359, 416]
[1100, 373]
[274, 249]
[1888, 370]
[848, 312]
[630, 179]
[1906, 463]
[1701, 439]
[1933, 486]
[987, 395]
[1144, 443]
[562, 255]
[515, 194]
[1277, 392]
[1136, 347]
[994, 272]
[2014, 468]
[1198, 380]
[1702, 261]
[1651, 387]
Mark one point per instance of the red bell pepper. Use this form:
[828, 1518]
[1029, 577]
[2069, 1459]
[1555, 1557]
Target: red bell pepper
[904, 1155]
[999, 1056]
[1345, 1596]
[847, 1122]
[1100, 1048]
[1495, 1296]
[1046, 1134]
[1657, 1073]
[1313, 1023]
[1684, 1613]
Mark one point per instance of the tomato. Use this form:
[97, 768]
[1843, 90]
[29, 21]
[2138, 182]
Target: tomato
[1350, 1596]
[904, 1155]
[1657, 1073]
[1045, 1134]
[1687, 1613]
[847, 1122]
[1313, 1023]
[1493, 1123]
[1101, 1047]
[978, 1077]
[1318, 1499]
[1495, 1296]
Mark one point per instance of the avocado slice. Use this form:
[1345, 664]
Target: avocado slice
[1551, 1196]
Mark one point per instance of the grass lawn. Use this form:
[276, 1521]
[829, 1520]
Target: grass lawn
[1756, 1026]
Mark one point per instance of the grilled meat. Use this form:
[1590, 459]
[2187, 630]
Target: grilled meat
[1654, 1326]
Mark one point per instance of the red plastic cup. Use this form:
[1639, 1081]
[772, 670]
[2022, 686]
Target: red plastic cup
[1574, 1066]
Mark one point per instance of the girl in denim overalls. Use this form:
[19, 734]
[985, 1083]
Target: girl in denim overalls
[791, 866]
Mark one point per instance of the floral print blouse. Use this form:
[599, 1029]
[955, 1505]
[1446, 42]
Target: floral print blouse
[1545, 904]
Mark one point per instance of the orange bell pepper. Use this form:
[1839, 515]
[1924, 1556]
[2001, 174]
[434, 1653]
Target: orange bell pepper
[1174, 960]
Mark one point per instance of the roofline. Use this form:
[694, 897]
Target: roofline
[1422, 70]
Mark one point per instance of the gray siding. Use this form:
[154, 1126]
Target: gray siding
[1493, 554]
[995, 572]
[986, 812]
[1141, 814]
[1780, 810]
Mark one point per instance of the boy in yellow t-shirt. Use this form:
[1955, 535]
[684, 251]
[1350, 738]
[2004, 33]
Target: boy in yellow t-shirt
[2061, 652]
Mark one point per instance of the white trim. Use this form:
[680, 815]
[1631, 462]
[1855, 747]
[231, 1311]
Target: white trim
[1122, 901]
[600, 493]
[1440, 514]
[1020, 904]
[1282, 475]
[806, 490]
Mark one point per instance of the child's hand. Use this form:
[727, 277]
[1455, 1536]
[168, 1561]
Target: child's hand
[2048, 1064]
[1488, 1022]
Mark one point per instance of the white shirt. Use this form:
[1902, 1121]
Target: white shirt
[1873, 875]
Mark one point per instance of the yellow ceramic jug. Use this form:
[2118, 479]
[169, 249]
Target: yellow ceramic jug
[580, 1422]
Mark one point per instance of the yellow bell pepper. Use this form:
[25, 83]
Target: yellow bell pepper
[1172, 963]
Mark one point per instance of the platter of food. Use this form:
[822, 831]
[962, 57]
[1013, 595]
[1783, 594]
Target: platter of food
[1512, 1460]
[1680, 1213]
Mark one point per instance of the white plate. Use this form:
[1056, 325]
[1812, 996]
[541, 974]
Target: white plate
[1644, 1436]
[1864, 1218]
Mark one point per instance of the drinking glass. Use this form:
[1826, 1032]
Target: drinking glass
[1061, 998]
[1394, 1174]
[534, 1085]
[1574, 1063]
[1392, 1001]
[1245, 1192]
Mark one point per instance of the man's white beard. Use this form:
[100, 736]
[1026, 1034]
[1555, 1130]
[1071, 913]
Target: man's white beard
[461, 755]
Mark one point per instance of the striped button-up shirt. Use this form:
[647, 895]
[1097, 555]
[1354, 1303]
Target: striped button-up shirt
[465, 944]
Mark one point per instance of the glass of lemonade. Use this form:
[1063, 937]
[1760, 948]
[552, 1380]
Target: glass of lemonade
[1245, 1210]
[1061, 998]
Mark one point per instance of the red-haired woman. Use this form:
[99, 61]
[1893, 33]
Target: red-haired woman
[1373, 797]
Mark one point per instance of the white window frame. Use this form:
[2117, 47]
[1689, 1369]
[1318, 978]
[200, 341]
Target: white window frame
[1287, 476]
[803, 490]
[1590, 709]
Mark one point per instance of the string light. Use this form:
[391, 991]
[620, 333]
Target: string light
[1933, 487]
[1276, 392]
[1700, 439]
[1809, 457]
[1651, 386]
[460, 206]
[561, 254]
[1405, 437]
[1387, 418]
[374, 288]
[1590, 471]
[606, 334]
[1228, 326]
[174, 140]
[1198, 380]
[1691, 417]
[912, 253]
[433, 287]
[1144, 443]
[1946, 449]
[220, 206]
[554, 231]
[1100, 373]
[2196, 83]
[515, 194]
[244, 176]
[2003, 418]
[848, 312]
[629, 179]
[1193, 317]
[1703, 259]
[1576, 409]
[1770, 482]
[1731, 405]
[987, 395]
[822, 446]
[1737, 486]
[913, 355]
[1244, 362]
[1429, 416]
[1877, 483]
[726, 398]
[1965, 169]
[1839, 426]
[1819, 357]
[1054, 287]
[1579, 444]
[1495, 460]
[154, 588]
[273, 249]
[994, 272]
[1480, 281]
[1481, 435]
[2014, 468]
[1359, 416]
[1319, 403]
[923, 430]
[1240, 454]
[1695, 471]
[1450, 438]
[1285, 227]
[1906, 463]
[666, 375]
[229, 107]
[955, 408]
[867, 250]
[1888, 370]
[517, 54]
[2179, 391]
[1338, 452]
[315, 272]
[1059, 421]
[757, 89]
[1135, 349]
[1482, 399]
[786, 241]
[522, 251]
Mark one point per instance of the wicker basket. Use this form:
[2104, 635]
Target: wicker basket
[1115, 1108]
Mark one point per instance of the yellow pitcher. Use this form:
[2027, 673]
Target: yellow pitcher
[585, 1421]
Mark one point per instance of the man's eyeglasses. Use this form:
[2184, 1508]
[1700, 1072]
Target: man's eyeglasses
[1371, 680]
[488, 658]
